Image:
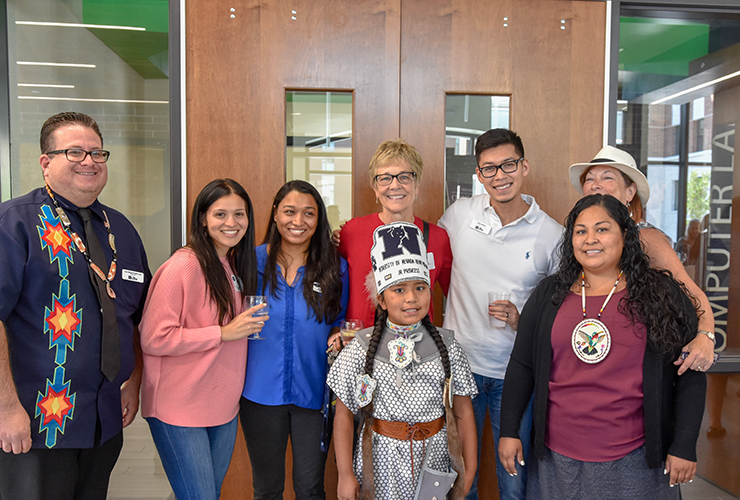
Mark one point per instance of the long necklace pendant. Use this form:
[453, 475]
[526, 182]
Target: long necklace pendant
[591, 341]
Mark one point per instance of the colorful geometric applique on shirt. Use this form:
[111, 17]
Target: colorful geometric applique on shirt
[62, 322]
[55, 239]
[55, 407]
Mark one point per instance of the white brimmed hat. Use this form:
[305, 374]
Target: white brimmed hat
[622, 161]
[398, 254]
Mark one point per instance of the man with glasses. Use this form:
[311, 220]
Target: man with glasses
[501, 241]
[73, 279]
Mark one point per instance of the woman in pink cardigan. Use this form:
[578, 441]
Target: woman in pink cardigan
[193, 338]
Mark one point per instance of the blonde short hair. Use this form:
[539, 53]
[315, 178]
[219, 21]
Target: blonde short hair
[391, 151]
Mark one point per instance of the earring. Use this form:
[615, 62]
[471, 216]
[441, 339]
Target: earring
[629, 207]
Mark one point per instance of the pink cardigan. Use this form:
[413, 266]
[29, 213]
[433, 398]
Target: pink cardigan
[191, 378]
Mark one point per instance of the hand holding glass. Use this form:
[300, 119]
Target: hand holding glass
[255, 300]
[494, 322]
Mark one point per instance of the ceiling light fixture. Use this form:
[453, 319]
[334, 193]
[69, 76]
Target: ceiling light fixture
[80, 25]
[81, 99]
[65, 65]
[696, 87]
[46, 85]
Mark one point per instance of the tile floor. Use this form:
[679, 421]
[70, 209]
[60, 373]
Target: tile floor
[139, 475]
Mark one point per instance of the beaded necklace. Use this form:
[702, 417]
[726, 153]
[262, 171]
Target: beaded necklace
[82, 248]
[591, 339]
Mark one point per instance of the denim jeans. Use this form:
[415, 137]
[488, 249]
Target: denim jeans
[489, 398]
[195, 458]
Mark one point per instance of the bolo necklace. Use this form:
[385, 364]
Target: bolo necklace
[591, 340]
[82, 248]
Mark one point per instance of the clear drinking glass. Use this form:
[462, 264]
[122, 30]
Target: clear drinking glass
[255, 300]
[349, 328]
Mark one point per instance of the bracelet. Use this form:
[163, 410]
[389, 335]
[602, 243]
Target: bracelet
[710, 335]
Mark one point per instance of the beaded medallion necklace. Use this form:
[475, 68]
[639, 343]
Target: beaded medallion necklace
[591, 339]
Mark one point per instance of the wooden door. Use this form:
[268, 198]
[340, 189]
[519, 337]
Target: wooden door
[399, 58]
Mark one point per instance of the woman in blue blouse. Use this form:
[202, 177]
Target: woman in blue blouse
[306, 282]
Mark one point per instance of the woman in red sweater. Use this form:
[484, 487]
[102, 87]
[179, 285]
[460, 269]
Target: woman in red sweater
[193, 333]
[395, 174]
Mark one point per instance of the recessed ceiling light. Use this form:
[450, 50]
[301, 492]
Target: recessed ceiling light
[80, 25]
[82, 99]
[66, 65]
[47, 85]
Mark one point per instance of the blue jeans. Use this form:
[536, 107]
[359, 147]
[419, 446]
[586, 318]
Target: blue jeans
[489, 399]
[195, 458]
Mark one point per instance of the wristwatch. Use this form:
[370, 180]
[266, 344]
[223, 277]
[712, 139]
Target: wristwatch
[710, 335]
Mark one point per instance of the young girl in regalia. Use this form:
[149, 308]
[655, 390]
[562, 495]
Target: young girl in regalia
[412, 383]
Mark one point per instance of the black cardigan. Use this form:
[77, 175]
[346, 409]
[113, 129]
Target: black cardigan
[673, 404]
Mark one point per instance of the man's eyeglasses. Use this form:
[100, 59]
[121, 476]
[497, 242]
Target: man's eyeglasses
[387, 179]
[508, 167]
[97, 155]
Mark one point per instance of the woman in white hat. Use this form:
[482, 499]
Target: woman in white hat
[615, 172]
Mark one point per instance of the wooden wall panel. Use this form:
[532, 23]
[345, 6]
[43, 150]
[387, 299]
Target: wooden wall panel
[238, 70]
[400, 58]
[554, 77]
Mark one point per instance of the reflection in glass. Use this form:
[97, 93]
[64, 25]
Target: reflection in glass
[119, 77]
[467, 117]
[679, 124]
[318, 147]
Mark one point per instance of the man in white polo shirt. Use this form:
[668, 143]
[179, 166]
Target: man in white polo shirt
[501, 241]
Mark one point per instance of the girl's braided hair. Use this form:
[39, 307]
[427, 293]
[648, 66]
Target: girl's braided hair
[453, 442]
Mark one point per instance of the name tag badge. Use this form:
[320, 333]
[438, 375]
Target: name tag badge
[430, 260]
[237, 283]
[134, 276]
[481, 227]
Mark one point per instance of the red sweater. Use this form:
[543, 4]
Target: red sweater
[356, 240]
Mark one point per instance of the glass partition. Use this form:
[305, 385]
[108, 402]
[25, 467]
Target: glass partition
[467, 117]
[679, 103]
[110, 61]
[318, 146]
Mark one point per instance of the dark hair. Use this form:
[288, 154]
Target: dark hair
[323, 265]
[242, 258]
[498, 137]
[650, 295]
[635, 206]
[61, 120]
[381, 316]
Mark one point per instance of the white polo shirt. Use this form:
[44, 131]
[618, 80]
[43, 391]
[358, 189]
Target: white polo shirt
[490, 257]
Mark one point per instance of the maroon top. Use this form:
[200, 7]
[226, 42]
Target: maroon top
[595, 411]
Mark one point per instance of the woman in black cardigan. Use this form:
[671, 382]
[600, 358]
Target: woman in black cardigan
[595, 344]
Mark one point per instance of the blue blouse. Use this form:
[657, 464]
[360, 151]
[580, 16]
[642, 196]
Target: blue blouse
[289, 365]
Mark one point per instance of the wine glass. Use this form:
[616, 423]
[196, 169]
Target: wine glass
[349, 328]
[255, 300]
